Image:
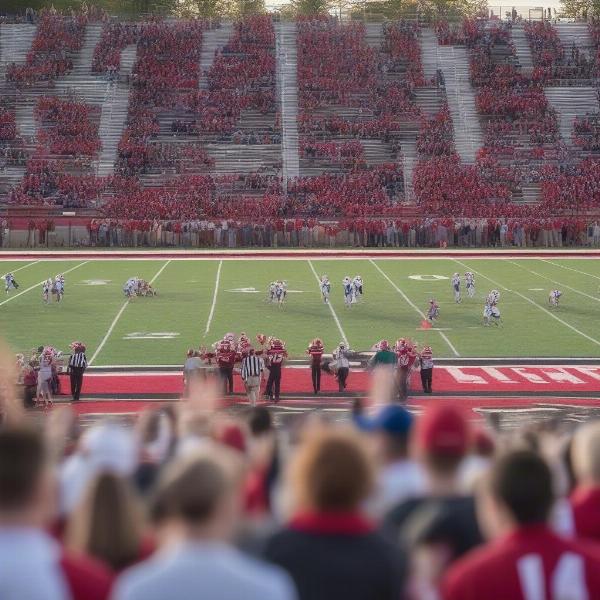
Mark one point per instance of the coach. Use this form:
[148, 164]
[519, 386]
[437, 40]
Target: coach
[251, 371]
[77, 366]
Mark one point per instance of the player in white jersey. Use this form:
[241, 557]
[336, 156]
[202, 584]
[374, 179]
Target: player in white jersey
[271, 292]
[470, 283]
[325, 287]
[46, 289]
[280, 292]
[348, 292]
[59, 287]
[10, 283]
[554, 297]
[491, 312]
[130, 287]
[456, 287]
[357, 284]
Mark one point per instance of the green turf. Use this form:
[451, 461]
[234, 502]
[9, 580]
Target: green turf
[187, 287]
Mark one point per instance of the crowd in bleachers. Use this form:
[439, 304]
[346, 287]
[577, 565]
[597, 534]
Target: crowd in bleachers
[56, 41]
[338, 71]
[377, 503]
[551, 59]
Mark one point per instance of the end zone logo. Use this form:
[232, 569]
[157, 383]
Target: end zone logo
[521, 378]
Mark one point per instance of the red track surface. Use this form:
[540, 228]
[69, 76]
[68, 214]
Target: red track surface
[516, 379]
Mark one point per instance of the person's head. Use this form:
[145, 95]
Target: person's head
[331, 471]
[260, 421]
[517, 491]
[442, 440]
[198, 496]
[107, 523]
[27, 490]
[190, 352]
[251, 352]
[390, 430]
[585, 454]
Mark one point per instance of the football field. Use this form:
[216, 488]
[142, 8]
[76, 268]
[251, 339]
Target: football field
[199, 300]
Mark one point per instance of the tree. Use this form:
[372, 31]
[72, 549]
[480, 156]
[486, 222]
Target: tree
[311, 7]
[580, 8]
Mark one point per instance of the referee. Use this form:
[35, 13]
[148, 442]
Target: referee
[252, 370]
[77, 365]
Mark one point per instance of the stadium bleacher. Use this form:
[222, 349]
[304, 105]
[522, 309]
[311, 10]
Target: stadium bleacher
[313, 119]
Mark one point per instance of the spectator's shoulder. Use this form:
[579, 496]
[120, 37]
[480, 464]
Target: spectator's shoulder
[268, 581]
[136, 581]
[466, 573]
[87, 578]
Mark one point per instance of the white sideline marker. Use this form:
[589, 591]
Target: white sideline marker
[554, 281]
[569, 268]
[32, 287]
[116, 319]
[414, 306]
[35, 262]
[214, 300]
[557, 318]
[335, 317]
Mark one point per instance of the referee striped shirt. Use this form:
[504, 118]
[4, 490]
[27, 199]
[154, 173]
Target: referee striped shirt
[78, 360]
[252, 366]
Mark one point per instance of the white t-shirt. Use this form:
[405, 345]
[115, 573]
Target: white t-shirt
[203, 570]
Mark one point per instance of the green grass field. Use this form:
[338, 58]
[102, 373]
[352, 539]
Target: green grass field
[191, 310]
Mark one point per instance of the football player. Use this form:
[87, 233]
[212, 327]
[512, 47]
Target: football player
[46, 289]
[10, 282]
[470, 283]
[59, 287]
[271, 292]
[357, 284]
[325, 287]
[280, 293]
[348, 292]
[433, 311]
[554, 297]
[130, 287]
[456, 287]
[491, 312]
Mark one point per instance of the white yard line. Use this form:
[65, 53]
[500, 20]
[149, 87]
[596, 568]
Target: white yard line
[333, 314]
[554, 281]
[214, 300]
[35, 262]
[116, 319]
[413, 305]
[555, 317]
[35, 285]
[569, 268]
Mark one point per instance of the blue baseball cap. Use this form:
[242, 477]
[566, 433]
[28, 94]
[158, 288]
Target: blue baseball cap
[392, 419]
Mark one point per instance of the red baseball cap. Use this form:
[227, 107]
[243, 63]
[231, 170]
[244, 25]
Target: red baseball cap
[443, 429]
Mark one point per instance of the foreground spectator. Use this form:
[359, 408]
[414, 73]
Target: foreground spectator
[525, 556]
[329, 547]
[585, 499]
[195, 511]
[33, 565]
[107, 523]
[441, 521]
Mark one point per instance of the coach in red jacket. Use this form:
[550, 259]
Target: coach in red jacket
[315, 351]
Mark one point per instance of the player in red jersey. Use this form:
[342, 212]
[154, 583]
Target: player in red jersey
[526, 560]
[315, 351]
[226, 356]
[276, 354]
